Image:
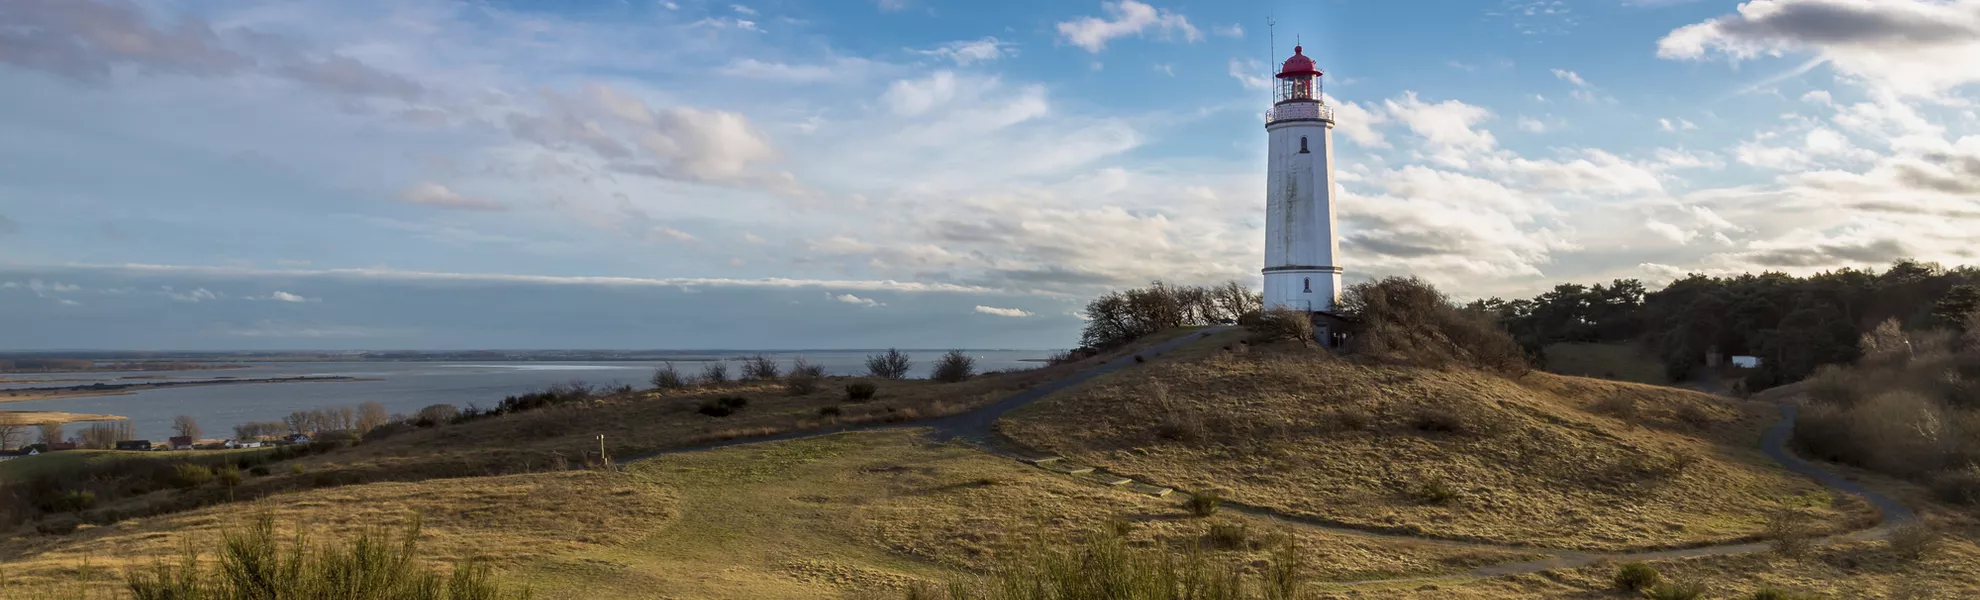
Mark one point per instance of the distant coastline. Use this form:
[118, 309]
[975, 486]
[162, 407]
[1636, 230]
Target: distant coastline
[119, 389]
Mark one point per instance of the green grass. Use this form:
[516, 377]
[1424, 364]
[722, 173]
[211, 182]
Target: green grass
[23, 469]
[1620, 362]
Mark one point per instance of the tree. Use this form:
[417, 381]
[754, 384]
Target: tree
[186, 426]
[666, 377]
[371, 415]
[10, 434]
[894, 364]
[760, 368]
[51, 432]
[1958, 302]
[716, 372]
[954, 367]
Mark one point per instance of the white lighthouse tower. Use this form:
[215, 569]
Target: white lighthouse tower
[1300, 272]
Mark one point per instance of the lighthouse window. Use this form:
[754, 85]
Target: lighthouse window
[1302, 145]
[1309, 284]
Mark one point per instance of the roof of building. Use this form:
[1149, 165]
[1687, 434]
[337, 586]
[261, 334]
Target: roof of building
[1299, 65]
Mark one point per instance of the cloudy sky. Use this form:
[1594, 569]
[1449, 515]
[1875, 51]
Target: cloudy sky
[924, 173]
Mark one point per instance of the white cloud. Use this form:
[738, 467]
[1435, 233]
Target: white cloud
[281, 296]
[682, 143]
[1232, 30]
[1251, 73]
[1668, 230]
[194, 297]
[1913, 47]
[840, 69]
[913, 97]
[1673, 126]
[966, 52]
[1532, 125]
[1125, 18]
[427, 193]
[1001, 312]
[744, 10]
[1582, 91]
[851, 299]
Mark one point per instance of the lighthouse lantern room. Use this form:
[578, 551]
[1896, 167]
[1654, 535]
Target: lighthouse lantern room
[1300, 246]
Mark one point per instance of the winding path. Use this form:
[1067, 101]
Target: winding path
[977, 427]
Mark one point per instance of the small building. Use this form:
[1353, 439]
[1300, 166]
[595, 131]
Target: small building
[1746, 362]
[134, 445]
[21, 453]
[181, 442]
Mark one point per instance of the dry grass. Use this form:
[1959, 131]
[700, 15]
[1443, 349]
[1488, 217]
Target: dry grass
[1522, 461]
[31, 417]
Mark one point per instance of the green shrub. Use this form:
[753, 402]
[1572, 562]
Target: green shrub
[1204, 504]
[1675, 590]
[229, 475]
[297, 468]
[893, 364]
[74, 501]
[188, 476]
[1635, 576]
[954, 367]
[861, 391]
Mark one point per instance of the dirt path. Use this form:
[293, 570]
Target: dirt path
[977, 427]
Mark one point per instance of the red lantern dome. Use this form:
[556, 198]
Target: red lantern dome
[1299, 65]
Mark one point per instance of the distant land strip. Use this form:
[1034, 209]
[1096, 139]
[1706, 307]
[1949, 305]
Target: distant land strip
[118, 389]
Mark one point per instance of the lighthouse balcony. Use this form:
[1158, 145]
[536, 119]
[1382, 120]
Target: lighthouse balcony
[1300, 111]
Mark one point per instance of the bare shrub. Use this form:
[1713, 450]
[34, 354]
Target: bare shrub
[760, 368]
[1790, 532]
[1284, 324]
[1885, 346]
[1834, 385]
[1117, 318]
[437, 414]
[804, 377]
[1914, 541]
[715, 372]
[1204, 504]
[892, 364]
[954, 367]
[1408, 321]
[666, 377]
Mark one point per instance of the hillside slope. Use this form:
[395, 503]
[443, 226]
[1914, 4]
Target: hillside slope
[1542, 460]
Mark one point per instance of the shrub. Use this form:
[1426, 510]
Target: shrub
[73, 501]
[1204, 504]
[953, 367]
[715, 373]
[724, 406]
[830, 411]
[1914, 541]
[1407, 320]
[373, 566]
[1959, 486]
[893, 364]
[861, 391]
[297, 468]
[1695, 416]
[435, 414]
[229, 475]
[1619, 406]
[1774, 593]
[1676, 590]
[1636, 576]
[187, 475]
[666, 377]
[804, 377]
[1437, 418]
[760, 368]
[1228, 535]
[1433, 491]
[1789, 532]
[258, 471]
[1180, 425]
[1284, 324]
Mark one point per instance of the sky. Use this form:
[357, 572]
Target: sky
[434, 174]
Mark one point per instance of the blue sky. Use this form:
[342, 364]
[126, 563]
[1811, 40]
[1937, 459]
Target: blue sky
[927, 173]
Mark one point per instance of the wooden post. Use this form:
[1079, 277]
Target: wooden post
[601, 451]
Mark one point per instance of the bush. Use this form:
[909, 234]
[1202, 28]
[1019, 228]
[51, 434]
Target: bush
[666, 377]
[1228, 535]
[861, 391]
[760, 368]
[229, 475]
[73, 501]
[1959, 486]
[893, 364]
[188, 476]
[1914, 541]
[1676, 590]
[1437, 418]
[297, 468]
[436, 414]
[1636, 576]
[804, 377]
[1408, 321]
[1433, 491]
[954, 367]
[1620, 406]
[259, 471]
[715, 373]
[830, 411]
[724, 406]
[1204, 504]
[1284, 324]
[1789, 532]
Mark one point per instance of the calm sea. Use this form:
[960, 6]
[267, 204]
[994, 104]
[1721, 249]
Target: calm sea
[401, 386]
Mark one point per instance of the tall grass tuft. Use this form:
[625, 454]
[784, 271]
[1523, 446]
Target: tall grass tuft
[255, 565]
[1105, 567]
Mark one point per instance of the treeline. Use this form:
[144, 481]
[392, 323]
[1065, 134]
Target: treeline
[1794, 324]
[1120, 317]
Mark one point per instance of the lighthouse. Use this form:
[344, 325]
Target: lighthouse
[1300, 272]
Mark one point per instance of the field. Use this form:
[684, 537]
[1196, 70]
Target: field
[1389, 481]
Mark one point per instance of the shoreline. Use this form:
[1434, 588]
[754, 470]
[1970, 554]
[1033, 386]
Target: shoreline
[37, 417]
[124, 389]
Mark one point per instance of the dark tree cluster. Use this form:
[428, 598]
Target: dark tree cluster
[1794, 324]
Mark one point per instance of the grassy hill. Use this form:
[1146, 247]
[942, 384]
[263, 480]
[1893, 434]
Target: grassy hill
[1540, 460]
[1616, 361]
[1543, 459]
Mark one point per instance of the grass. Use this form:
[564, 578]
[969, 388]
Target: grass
[23, 469]
[1537, 465]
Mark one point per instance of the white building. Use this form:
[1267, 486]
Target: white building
[1300, 247]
